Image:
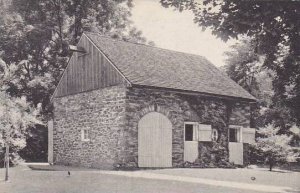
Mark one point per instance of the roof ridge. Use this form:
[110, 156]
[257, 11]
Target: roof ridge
[141, 44]
[212, 79]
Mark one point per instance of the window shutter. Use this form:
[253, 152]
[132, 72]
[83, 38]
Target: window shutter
[204, 132]
[248, 135]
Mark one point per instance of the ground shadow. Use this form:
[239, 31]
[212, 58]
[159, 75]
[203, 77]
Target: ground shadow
[58, 168]
[291, 191]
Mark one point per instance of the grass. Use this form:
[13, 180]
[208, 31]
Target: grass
[277, 177]
[261, 174]
[25, 180]
[49, 179]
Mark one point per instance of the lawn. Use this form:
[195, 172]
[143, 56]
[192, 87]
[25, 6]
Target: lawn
[262, 175]
[52, 179]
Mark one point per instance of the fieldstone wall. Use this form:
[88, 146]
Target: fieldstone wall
[142, 101]
[112, 114]
[180, 108]
[240, 114]
[215, 112]
[102, 112]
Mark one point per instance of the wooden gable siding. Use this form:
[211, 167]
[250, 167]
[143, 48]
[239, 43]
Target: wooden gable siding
[88, 71]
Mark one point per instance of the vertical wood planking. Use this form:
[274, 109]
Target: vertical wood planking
[154, 141]
[87, 72]
[100, 80]
[89, 68]
[93, 64]
[76, 73]
[97, 64]
[84, 65]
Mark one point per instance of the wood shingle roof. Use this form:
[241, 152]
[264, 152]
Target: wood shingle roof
[151, 66]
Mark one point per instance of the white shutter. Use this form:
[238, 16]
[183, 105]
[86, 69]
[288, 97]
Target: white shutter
[248, 135]
[204, 132]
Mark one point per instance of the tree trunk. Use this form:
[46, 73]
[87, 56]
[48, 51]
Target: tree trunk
[271, 166]
[6, 161]
[271, 163]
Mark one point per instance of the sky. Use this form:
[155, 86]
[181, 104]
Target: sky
[175, 30]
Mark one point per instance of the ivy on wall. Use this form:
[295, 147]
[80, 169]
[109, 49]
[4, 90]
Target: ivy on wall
[215, 113]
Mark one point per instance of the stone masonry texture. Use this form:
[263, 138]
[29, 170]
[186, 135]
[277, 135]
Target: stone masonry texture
[102, 113]
[112, 115]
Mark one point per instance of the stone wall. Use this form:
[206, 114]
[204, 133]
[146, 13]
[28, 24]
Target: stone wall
[142, 101]
[102, 112]
[180, 108]
[240, 114]
[112, 115]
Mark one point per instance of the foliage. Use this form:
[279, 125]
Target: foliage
[16, 114]
[35, 35]
[295, 130]
[36, 144]
[243, 66]
[274, 27]
[275, 148]
[212, 155]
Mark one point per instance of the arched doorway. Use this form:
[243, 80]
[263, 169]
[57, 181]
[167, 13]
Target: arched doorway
[154, 141]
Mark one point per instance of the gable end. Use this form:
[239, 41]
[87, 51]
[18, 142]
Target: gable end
[88, 71]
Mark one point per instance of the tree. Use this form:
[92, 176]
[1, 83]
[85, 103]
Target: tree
[16, 115]
[274, 27]
[275, 148]
[36, 34]
[243, 65]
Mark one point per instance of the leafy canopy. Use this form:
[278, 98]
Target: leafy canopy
[34, 40]
[243, 65]
[16, 114]
[274, 27]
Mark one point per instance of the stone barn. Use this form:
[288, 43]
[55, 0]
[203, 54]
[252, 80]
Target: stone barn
[128, 105]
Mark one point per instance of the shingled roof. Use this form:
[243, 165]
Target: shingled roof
[151, 66]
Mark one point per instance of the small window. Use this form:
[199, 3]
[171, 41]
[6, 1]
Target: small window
[85, 135]
[189, 132]
[234, 134]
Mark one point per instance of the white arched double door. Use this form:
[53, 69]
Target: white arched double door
[154, 141]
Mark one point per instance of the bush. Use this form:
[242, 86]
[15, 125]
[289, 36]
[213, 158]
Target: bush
[272, 148]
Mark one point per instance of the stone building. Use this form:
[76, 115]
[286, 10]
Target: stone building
[121, 104]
